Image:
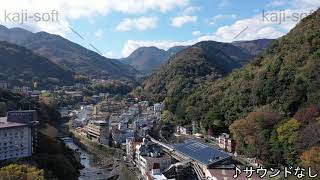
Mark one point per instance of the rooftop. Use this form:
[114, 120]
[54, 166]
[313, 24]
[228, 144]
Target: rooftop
[200, 152]
[149, 149]
[5, 124]
[22, 111]
[100, 122]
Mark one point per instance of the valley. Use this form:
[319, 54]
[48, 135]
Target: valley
[205, 110]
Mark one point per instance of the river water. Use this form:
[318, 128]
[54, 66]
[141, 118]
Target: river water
[89, 172]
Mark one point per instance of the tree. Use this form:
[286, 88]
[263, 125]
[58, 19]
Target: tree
[3, 108]
[288, 132]
[253, 133]
[21, 172]
[242, 132]
[309, 136]
[287, 136]
[311, 158]
[166, 116]
[307, 114]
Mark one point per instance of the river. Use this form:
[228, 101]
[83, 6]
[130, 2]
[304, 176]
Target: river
[89, 172]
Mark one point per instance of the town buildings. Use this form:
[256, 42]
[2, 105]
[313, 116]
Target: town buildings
[158, 107]
[119, 137]
[185, 130]
[4, 84]
[131, 144]
[22, 90]
[16, 140]
[148, 155]
[29, 117]
[98, 131]
[226, 143]
[19, 134]
[156, 173]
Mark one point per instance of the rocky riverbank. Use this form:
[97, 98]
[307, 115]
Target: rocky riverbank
[110, 160]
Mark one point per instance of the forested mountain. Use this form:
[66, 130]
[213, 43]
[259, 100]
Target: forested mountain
[272, 104]
[175, 49]
[67, 54]
[148, 59]
[20, 66]
[253, 47]
[197, 65]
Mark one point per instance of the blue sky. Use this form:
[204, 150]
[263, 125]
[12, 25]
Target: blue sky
[116, 28]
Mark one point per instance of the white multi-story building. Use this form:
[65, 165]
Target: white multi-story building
[15, 140]
[22, 90]
[99, 131]
[148, 154]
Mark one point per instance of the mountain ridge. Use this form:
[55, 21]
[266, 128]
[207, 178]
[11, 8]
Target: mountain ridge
[68, 54]
[192, 67]
[148, 59]
[20, 66]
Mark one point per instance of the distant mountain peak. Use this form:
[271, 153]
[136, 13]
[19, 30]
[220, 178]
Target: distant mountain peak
[148, 59]
[32, 68]
[68, 54]
[196, 65]
[254, 47]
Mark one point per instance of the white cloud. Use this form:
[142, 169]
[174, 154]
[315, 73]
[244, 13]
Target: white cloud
[98, 33]
[224, 3]
[142, 6]
[190, 10]
[255, 28]
[220, 17]
[76, 9]
[181, 20]
[140, 24]
[305, 4]
[196, 33]
[108, 54]
[277, 3]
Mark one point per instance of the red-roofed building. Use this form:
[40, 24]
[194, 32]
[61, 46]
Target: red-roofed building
[155, 173]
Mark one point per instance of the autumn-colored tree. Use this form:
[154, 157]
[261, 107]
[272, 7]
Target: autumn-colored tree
[252, 133]
[309, 136]
[307, 114]
[311, 158]
[288, 134]
[21, 172]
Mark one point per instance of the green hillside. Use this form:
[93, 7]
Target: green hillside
[201, 63]
[20, 66]
[272, 104]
